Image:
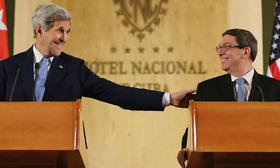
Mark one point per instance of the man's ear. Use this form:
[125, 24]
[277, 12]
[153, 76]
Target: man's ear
[247, 52]
[39, 31]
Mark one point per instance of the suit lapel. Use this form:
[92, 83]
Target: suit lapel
[27, 74]
[55, 77]
[255, 93]
[227, 88]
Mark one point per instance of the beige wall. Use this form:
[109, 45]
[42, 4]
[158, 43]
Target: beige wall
[247, 15]
[23, 35]
[187, 34]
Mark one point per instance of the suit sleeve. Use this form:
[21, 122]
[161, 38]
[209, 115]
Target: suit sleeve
[198, 95]
[125, 97]
[2, 82]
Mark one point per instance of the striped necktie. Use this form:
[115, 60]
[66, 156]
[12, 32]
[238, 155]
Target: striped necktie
[241, 91]
[41, 79]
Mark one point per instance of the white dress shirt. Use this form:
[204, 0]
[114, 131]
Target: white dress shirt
[38, 57]
[247, 84]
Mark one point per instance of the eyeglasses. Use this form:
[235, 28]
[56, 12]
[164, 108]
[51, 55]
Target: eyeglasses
[226, 47]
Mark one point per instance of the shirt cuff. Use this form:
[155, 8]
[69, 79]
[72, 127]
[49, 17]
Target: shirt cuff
[166, 99]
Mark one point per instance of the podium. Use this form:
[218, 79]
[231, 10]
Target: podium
[40, 135]
[234, 135]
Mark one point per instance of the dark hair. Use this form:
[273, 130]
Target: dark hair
[244, 38]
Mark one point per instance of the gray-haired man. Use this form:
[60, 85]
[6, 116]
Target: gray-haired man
[61, 77]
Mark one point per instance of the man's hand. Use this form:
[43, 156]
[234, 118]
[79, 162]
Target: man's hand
[182, 98]
[181, 156]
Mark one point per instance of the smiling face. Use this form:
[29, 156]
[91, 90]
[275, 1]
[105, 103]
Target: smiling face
[234, 60]
[50, 43]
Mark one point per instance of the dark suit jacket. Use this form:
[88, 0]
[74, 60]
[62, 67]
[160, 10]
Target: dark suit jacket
[69, 79]
[221, 89]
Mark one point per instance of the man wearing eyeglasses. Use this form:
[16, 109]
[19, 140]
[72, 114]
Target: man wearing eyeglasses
[237, 51]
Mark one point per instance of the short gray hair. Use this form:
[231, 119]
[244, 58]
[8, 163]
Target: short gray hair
[46, 14]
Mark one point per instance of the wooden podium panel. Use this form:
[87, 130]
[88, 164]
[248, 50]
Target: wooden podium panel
[235, 134]
[40, 134]
[234, 160]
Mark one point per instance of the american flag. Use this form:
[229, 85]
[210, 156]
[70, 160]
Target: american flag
[273, 69]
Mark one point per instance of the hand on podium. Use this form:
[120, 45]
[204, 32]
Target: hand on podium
[182, 98]
[182, 156]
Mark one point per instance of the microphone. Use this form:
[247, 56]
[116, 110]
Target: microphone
[19, 67]
[261, 92]
[234, 90]
[37, 66]
[85, 137]
[184, 142]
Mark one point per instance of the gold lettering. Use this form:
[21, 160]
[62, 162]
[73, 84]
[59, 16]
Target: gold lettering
[165, 88]
[181, 67]
[151, 86]
[93, 66]
[140, 67]
[147, 69]
[102, 65]
[154, 67]
[162, 67]
[136, 67]
[200, 68]
[156, 87]
[170, 67]
[139, 85]
[113, 68]
[192, 69]
[121, 69]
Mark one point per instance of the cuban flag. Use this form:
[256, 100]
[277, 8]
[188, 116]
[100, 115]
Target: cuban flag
[4, 48]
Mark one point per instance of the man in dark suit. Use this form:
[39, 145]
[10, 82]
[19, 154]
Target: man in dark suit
[222, 88]
[45, 73]
[237, 51]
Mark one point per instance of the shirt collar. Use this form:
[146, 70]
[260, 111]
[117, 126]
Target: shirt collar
[248, 76]
[38, 56]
